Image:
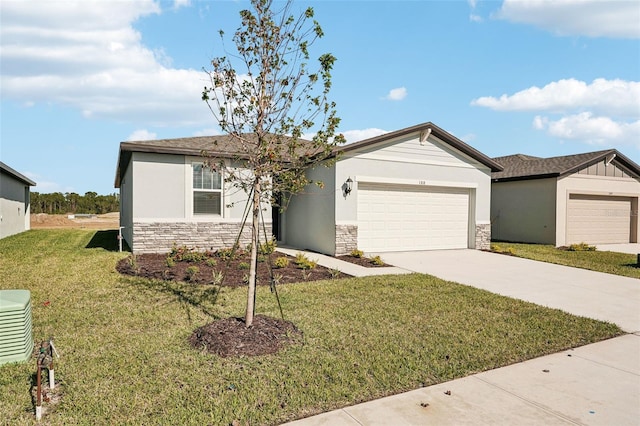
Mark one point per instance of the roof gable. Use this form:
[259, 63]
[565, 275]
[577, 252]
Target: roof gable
[423, 131]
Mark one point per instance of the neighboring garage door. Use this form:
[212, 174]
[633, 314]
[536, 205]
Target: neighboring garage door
[407, 217]
[598, 219]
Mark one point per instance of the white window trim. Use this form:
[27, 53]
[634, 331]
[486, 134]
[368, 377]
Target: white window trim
[190, 193]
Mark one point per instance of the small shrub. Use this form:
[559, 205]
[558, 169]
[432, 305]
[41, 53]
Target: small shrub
[170, 262]
[244, 265]
[217, 277]
[227, 253]
[261, 258]
[335, 273]
[581, 247]
[502, 250]
[133, 262]
[356, 253]
[281, 262]
[277, 278]
[376, 261]
[192, 273]
[303, 262]
[211, 262]
[186, 254]
[267, 248]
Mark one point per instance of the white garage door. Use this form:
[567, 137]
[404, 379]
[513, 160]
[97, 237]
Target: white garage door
[598, 219]
[407, 217]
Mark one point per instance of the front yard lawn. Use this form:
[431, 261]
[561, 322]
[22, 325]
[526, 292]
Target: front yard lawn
[126, 359]
[601, 261]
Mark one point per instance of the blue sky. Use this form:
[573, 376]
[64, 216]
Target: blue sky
[543, 78]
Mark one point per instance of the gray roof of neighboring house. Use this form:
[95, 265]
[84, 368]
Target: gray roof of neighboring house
[19, 176]
[227, 146]
[522, 167]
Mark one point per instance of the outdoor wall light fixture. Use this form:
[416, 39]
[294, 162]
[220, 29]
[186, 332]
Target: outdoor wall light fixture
[348, 185]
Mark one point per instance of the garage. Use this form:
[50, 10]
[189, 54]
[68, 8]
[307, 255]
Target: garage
[597, 219]
[412, 217]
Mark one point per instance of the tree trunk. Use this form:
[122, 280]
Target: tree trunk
[255, 240]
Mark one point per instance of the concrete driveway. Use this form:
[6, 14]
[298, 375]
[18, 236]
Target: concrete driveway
[577, 291]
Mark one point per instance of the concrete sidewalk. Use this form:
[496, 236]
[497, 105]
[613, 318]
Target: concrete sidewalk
[342, 266]
[598, 384]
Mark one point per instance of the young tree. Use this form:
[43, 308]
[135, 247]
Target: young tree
[266, 98]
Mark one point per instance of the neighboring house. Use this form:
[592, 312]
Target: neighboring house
[590, 198]
[15, 205]
[418, 188]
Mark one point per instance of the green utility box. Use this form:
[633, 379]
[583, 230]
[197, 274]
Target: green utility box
[16, 339]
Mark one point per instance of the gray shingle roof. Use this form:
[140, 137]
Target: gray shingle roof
[227, 146]
[520, 166]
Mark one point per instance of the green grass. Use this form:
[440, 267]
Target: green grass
[125, 357]
[601, 261]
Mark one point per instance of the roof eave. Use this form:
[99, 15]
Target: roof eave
[525, 177]
[16, 175]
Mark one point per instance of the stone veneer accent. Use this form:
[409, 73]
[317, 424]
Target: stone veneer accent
[483, 236]
[159, 237]
[346, 239]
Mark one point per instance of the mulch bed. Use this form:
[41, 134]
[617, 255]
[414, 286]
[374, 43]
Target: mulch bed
[229, 337]
[362, 261]
[155, 266]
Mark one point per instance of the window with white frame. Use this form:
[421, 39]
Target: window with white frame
[207, 190]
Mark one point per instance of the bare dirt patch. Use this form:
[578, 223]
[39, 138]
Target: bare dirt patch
[62, 221]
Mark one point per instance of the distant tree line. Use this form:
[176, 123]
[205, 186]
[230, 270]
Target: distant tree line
[70, 202]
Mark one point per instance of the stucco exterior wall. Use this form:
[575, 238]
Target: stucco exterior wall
[309, 221]
[592, 185]
[157, 206]
[524, 211]
[15, 206]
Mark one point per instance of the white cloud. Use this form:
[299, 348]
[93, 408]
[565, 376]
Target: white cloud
[605, 112]
[468, 137]
[472, 3]
[606, 96]
[181, 3]
[592, 18]
[587, 128]
[396, 94]
[87, 55]
[475, 18]
[360, 135]
[212, 131]
[45, 186]
[142, 135]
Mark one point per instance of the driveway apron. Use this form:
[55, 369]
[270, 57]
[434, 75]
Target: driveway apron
[580, 292]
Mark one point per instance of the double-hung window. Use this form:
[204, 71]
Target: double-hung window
[207, 190]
